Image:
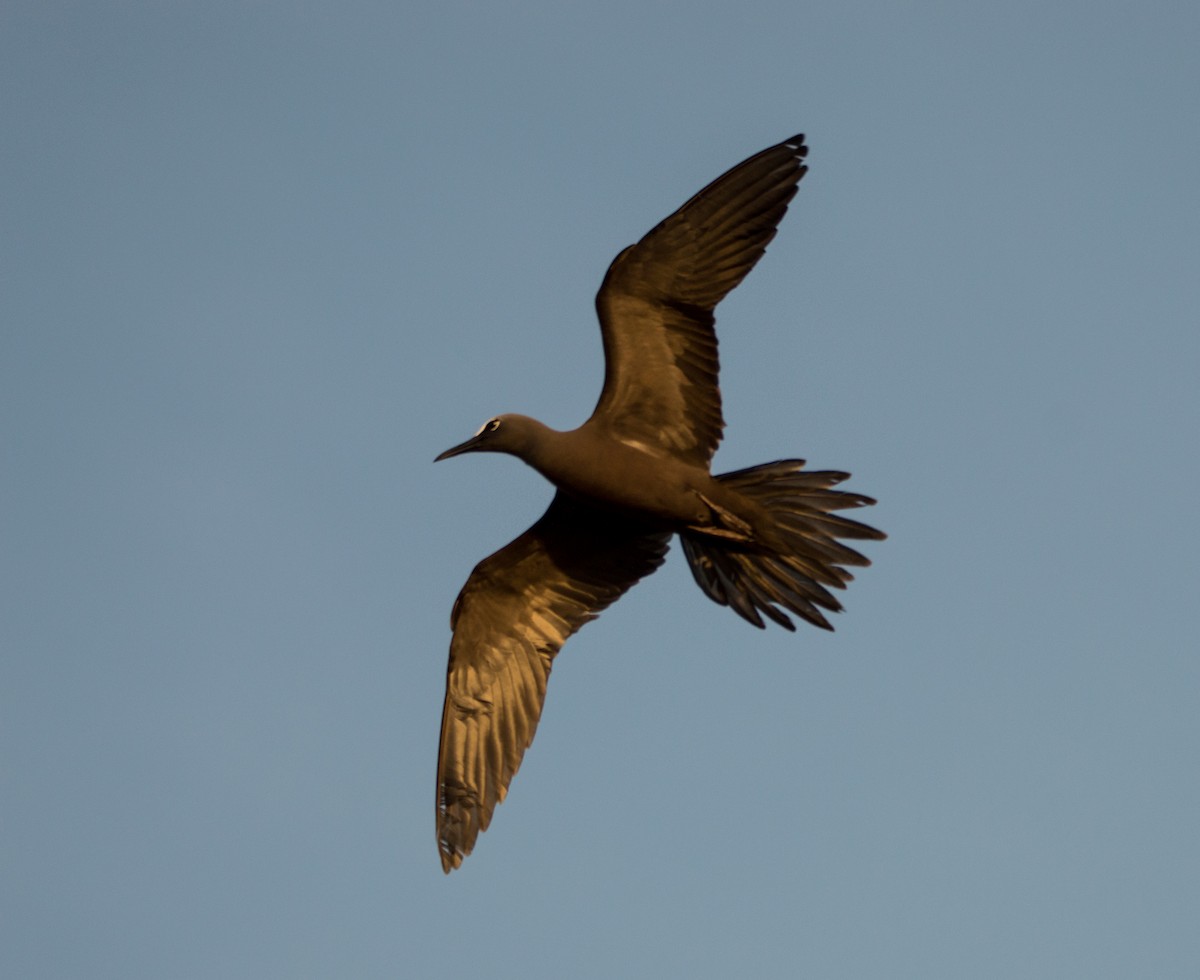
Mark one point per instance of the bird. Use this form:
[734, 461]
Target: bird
[764, 541]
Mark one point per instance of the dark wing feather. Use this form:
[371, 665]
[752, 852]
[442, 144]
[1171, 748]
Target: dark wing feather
[511, 618]
[656, 305]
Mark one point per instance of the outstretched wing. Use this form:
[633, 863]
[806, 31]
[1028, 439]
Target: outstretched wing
[656, 305]
[511, 618]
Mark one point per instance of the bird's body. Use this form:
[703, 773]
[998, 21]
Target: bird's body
[624, 476]
[761, 540]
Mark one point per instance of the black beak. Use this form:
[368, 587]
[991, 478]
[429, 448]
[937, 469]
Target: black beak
[463, 447]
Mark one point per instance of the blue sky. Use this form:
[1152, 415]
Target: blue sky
[262, 261]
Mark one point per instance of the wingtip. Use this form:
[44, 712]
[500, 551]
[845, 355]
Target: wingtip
[451, 858]
[797, 144]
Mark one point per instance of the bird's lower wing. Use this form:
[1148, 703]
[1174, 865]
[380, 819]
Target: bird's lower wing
[513, 615]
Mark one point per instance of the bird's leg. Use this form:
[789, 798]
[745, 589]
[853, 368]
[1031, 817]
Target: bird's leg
[725, 523]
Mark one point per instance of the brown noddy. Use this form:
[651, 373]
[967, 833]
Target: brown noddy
[762, 540]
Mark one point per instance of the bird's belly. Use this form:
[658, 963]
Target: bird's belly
[642, 486]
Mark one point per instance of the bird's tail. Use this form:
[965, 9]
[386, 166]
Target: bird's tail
[806, 558]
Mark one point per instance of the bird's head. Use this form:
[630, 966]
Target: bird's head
[500, 434]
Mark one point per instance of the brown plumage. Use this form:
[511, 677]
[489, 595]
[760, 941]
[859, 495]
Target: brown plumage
[761, 540]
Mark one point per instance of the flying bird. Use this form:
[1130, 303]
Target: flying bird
[763, 541]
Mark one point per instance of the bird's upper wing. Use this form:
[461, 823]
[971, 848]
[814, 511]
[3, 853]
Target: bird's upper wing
[515, 612]
[656, 305]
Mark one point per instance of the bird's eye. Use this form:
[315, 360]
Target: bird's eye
[491, 425]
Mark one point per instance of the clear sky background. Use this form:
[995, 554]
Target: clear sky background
[262, 261]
